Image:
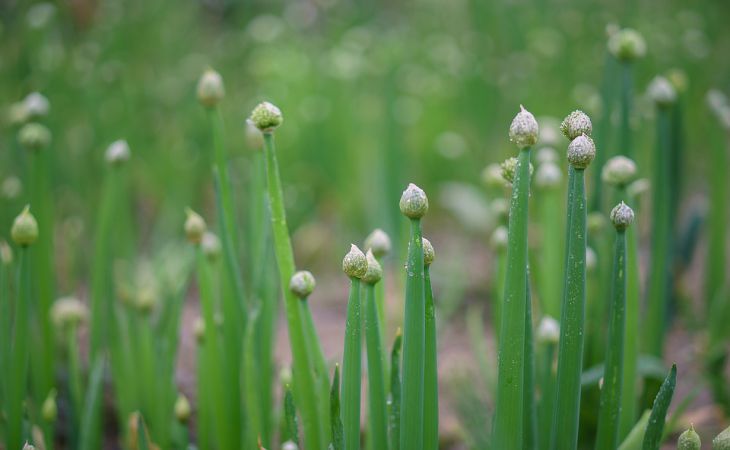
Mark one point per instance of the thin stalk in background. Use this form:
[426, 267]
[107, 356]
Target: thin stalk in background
[266, 117]
[548, 334]
[24, 233]
[658, 291]
[498, 243]
[394, 398]
[508, 420]
[528, 397]
[355, 266]
[549, 181]
[377, 408]
[336, 425]
[611, 393]
[581, 152]
[379, 242]
[604, 128]
[6, 318]
[430, 375]
[414, 205]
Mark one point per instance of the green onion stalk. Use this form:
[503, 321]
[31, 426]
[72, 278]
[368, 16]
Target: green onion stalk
[611, 392]
[355, 266]
[379, 242]
[430, 376]
[581, 152]
[377, 397]
[508, 420]
[547, 337]
[414, 205]
[394, 397]
[549, 182]
[658, 290]
[267, 117]
[655, 427]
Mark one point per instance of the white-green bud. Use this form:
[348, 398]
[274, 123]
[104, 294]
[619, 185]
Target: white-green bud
[68, 312]
[523, 130]
[428, 253]
[576, 124]
[34, 136]
[619, 171]
[211, 246]
[117, 153]
[499, 238]
[374, 272]
[596, 223]
[622, 216]
[661, 92]
[6, 254]
[548, 331]
[492, 176]
[509, 169]
[549, 131]
[266, 117]
[182, 408]
[355, 263]
[210, 88]
[413, 202]
[289, 445]
[689, 440]
[722, 440]
[254, 137]
[627, 45]
[25, 228]
[379, 242]
[36, 105]
[546, 155]
[49, 409]
[548, 176]
[11, 187]
[302, 284]
[638, 187]
[591, 260]
[195, 226]
[581, 152]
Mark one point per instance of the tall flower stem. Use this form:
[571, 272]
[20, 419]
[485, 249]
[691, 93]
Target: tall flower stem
[18, 377]
[431, 391]
[351, 369]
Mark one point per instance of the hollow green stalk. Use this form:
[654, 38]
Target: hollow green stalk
[319, 365]
[74, 373]
[529, 409]
[254, 418]
[204, 421]
[658, 286]
[635, 437]
[411, 418]
[604, 128]
[351, 369]
[431, 392]
[336, 418]
[551, 252]
[394, 399]
[6, 336]
[655, 426]
[509, 413]
[625, 107]
[20, 357]
[611, 392]
[305, 384]
[90, 435]
[715, 267]
[547, 336]
[378, 418]
[570, 354]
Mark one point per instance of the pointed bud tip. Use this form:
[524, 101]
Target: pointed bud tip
[622, 216]
[581, 152]
[524, 130]
[355, 264]
[413, 202]
[24, 231]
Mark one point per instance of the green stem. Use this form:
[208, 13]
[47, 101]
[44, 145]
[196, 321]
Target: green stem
[305, 382]
[378, 419]
[20, 357]
[530, 413]
[655, 427]
[431, 389]
[351, 370]
[627, 92]
[74, 374]
[609, 412]
[547, 399]
[319, 365]
[715, 272]
[551, 252]
[411, 418]
[336, 418]
[394, 401]
[508, 427]
[570, 353]
[658, 289]
[604, 127]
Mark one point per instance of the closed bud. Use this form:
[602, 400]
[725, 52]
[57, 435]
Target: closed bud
[492, 176]
[679, 80]
[661, 92]
[146, 300]
[500, 208]
[548, 176]
[25, 228]
[689, 440]
[622, 216]
[548, 331]
[355, 263]
[499, 238]
[289, 445]
[374, 272]
[619, 171]
[581, 152]
[211, 246]
[428, 253]
[302, 284]
[576, 124]
[195, 226]
[34, 136]
[509, 169]
[595, 223]
[266, 117]
[182, 408]
[210, 88]
[379, 242]
[49, 409]
[117, 153]
[68, 312]
[6, 254]
[413, 202]
[549, 131]
[546, 155]
[36, 105]
[523, 131]
[627, 45]
[722, 440]
[591, 260]
[638, 187]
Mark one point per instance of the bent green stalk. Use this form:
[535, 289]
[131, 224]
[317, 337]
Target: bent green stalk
[351, 369]
[611, 392]
[508, 427]
[305, 382]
